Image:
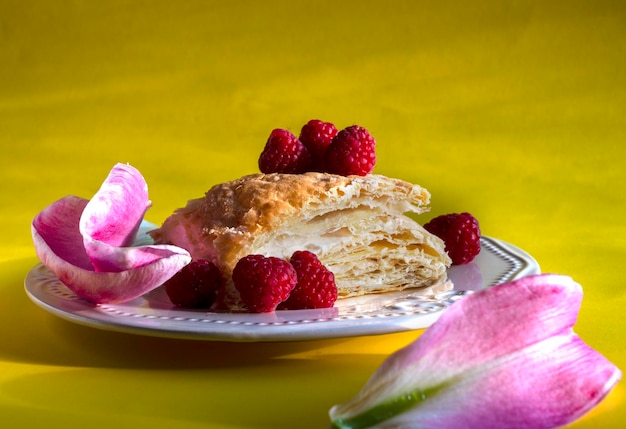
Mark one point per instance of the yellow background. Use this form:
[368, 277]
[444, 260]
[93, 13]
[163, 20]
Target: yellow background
[512, 110]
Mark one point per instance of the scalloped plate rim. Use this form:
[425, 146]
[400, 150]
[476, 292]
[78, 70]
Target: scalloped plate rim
[408, 310]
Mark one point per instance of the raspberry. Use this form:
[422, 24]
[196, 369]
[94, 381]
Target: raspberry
[195, 286]
[352, 152]
[263, 282]
[284, 153]
[461, 234]
[316, 286]
[316, 136]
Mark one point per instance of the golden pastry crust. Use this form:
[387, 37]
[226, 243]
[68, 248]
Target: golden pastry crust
[232, 214]
[355, 224]
[261, 202]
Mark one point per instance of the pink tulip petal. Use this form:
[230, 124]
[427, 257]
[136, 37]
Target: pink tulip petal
[66, 240]
[546, 385]
[111, 219]
[57, 230]
[115, 212]
[492, 350]
[116, 259]
[110, 287]
[482, 327]
[499, 321]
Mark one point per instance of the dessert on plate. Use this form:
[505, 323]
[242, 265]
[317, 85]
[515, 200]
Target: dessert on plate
[356, 225]
[316, 224]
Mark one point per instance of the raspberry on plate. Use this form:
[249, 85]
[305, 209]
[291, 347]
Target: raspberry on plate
[316, 286]
[316, 136]
[352, 152]
[284, 153]
[196, 285]
[263, 282]
[461, 234]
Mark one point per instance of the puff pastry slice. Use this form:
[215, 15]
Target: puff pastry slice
[356, 225]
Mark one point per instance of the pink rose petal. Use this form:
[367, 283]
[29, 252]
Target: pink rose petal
[502, 357]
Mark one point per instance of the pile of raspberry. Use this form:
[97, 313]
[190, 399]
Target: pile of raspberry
[266, 284]
[320, 147]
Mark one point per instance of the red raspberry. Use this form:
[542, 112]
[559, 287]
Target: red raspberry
[352, 152]
[461, 234]
[316, 135]
[263, 282]
[284, 153]
[195, 286]
[316, 286]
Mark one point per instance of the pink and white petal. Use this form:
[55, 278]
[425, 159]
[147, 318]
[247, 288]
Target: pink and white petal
[499, 320]
[55, 230]
[479, 328]
[115, 212]
[60, 247]
[112, 287]
[545, 385]
[116, 259]
[504, 353]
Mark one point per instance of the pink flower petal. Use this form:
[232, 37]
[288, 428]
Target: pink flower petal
[57, 231]
[116, 259]
[546, 385]
[110, 287]
[509, 348]
[115, 212]
[112, 217]
[495, 322]
[68, 238]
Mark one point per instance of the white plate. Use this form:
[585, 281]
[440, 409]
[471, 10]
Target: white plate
[153, 314]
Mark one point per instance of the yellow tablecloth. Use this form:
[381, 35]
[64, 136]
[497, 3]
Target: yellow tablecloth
[514, 111]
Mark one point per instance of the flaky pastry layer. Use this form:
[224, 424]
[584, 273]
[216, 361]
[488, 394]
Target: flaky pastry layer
[356, 225]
